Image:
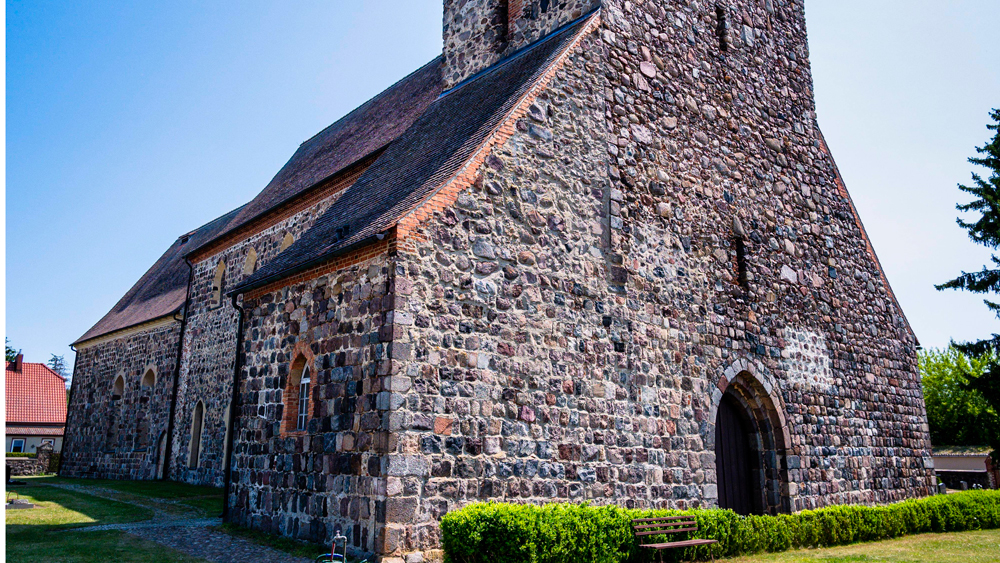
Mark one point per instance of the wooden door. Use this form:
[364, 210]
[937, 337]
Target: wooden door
[732, 458]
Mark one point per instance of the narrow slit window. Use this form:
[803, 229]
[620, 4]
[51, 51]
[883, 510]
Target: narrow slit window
[194, 448]
[741, 264]
[218, 284]
[303, 418]
[721, 28]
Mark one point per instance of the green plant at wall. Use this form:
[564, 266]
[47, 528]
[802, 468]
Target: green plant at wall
[984, 230]
[958, 415]
[9, 351]
[565, 533]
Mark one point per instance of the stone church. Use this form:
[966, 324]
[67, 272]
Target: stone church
[597, 250]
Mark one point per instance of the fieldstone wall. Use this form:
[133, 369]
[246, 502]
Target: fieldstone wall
[304, 484]
[210, 345]
[478, 33]
[666, 216]
[121, 438]
[38, 465]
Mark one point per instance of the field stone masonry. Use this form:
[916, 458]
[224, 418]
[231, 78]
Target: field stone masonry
[542, 267]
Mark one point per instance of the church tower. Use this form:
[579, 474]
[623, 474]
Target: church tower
[478, 33]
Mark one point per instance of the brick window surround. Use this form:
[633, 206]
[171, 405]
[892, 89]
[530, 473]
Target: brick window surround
[290, 398]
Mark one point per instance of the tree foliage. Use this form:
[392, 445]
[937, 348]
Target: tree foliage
[958, 414]
[984, 230]
[9, 350]
[57, 364]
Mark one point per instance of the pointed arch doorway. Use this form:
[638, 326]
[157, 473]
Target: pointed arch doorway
[733, 459]
[750, 445]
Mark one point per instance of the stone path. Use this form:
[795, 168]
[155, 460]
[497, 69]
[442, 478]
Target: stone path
[180, 527]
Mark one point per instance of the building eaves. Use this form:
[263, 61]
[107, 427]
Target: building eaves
[428, 154]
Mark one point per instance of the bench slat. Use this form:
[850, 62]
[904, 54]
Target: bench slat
[681, 523]
[663, 532]
[663, 519]
[673, 544]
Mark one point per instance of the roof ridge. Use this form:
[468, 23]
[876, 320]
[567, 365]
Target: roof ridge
[388, 190]
[519, 53]
[370, 101]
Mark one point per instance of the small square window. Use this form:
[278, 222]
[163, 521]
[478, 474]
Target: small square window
[17, 446]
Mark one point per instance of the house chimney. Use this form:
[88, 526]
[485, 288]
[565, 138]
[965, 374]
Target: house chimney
[18, 360]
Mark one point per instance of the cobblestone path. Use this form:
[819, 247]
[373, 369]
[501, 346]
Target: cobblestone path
[183, 528]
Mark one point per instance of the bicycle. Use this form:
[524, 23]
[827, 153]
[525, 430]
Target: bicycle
[333, 556]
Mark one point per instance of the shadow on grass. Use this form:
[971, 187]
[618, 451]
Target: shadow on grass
[51, 531]
[207, 500]
[58, 509]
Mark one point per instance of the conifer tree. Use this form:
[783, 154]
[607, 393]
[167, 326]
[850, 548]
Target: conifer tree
[985, 230]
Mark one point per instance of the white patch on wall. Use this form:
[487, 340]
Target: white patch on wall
[806, 359]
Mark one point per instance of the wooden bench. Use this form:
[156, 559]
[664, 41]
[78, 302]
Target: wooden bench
[645, 527]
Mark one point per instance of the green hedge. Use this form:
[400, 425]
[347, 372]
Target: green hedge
[580, 533]
[21, 454]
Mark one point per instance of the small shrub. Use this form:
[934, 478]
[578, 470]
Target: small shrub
[581, 533]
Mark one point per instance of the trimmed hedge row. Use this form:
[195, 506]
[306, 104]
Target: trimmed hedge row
[21, 454]
[580, 533]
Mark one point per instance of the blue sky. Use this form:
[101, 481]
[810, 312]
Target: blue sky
[129, 123]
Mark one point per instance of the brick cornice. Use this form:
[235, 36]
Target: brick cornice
[275, 215]
[446, 195]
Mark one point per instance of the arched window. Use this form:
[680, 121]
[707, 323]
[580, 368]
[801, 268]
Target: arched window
[148, 380]
[286, 242]
[194, 448]
[303, 418]
[295, 415]
[218, 284]
[118, 389]
[251, 264]
[142, 431]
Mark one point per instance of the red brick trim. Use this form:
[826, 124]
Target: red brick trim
[404, 234]
[307, 199]
[362, 254]
[407, 227]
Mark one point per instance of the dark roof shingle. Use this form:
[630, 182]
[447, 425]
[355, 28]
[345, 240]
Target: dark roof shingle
[368, 128]
[162, 290]
[429, 153]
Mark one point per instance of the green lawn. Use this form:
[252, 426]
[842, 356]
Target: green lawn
[208, 500]
[48, 533]
[48, 546]
[62, 509]
[962, 547]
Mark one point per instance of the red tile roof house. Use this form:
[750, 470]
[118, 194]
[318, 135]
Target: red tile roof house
[36, 406]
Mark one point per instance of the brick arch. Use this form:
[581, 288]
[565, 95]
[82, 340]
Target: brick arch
[302, 356]
[754, 388]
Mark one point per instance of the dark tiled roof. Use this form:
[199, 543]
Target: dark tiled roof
[35, 394]
[421, 160]
[163, 288]
[370, 127]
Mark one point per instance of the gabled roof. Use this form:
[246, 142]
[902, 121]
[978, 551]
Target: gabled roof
[422, 159]
[35, 394]
[364, 131]
[162, 290]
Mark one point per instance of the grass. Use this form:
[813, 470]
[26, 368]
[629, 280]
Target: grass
[280, 543]
[47, 546]
[62, 509]
[964, 547]
[206, 500]
[48, 533]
